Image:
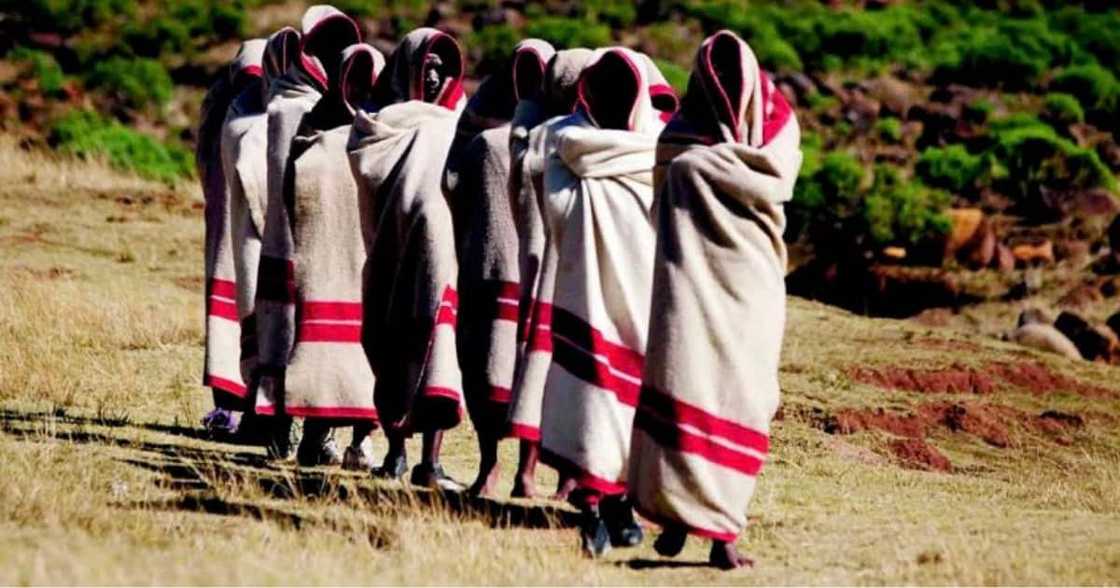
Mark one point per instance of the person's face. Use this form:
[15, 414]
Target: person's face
[433, 76]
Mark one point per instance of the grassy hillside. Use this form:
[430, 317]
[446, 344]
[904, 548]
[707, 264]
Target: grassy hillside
[909, 107]
[903, 454]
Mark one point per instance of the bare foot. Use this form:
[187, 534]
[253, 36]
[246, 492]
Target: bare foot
[725, 557]
[486, 482]
[524, 486]
[564, 488]
[671, 542]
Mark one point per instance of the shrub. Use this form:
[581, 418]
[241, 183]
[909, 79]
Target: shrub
[69, 16]
[1062, 109]
[1094, 86]
[889, 129]
[87, 135]
[43, 68]
[676, 75]
[1032, 158]
[566, 33]
[1013, 54]
[492, 45]
[897, 211]
[951, 168]
[138, 82]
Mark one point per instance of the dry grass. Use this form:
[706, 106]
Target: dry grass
[107, 482]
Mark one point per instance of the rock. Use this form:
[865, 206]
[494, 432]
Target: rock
[1081, 296]
[1110, 286]
[1091, 341]
[1114, 236]
[1036, 316]
[980, 253]
[965, 224]
[1045, 338]
[861, 111]
[893, 95]
[934, 317]
[1034, 255]
[1114, 323]
[801, 84]
[1079, 203]
[894, 254]
[1075, 251]
[1004, 260]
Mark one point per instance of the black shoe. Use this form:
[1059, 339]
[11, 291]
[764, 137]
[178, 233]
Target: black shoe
[393, 468]
[618, 514]
[433, 476]
[283, 436]
[594, 537]
[671, 542]
[317, 448]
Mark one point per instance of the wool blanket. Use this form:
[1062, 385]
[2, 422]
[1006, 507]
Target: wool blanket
[326, 32]
[527, 162]
[244, 159]
[222, 372]
[409, 299]
[710, 383]
[477, 187]
[599, 193]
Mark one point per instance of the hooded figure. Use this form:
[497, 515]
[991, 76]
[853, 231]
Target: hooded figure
[599, 197]
[222, 371]
[326, 32]
[409, 296]
[243, 146]
[710, 385]
[531, 131]
[477, 189]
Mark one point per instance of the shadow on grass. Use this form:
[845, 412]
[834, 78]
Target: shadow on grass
[661, 564]
[199, 472]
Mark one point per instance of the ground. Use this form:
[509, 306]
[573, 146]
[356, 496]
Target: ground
[903, 453]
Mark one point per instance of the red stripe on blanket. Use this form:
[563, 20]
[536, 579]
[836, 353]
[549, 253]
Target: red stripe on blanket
[329, 333]
[224, 385]
[506, 311]
[500, 395]
[699, 532]
[223, 288]
[539, 329]
[583, 351]
[583, 478]
[223, 309]
[330, 311]
[442, 392]
[671, 437]
[277, 280]
[448, 307]
[333, 412]
[265, 409]
[524, 432]
[670, 409]
[778, 110]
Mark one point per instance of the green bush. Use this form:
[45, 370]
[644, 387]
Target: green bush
[897, 211]
[889, 129]
[1032, 157]
[492, 45]
[1013, 54]
[1094, 87]
[567, 33]
[676, 75]
[182, 25]
[951, 168]
[138, 82]
[68, 16]
[88, 135]
[43, 68]
[1062, 109]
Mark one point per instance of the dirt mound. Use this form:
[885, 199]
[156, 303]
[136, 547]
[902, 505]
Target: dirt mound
[955, 380]
[980, 420]
[917, 454]
[1033, 377]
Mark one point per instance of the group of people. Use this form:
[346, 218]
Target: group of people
[572, 255]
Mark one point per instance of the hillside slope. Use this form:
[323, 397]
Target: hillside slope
[904, 454]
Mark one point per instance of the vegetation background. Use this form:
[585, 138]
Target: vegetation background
[923, 450]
